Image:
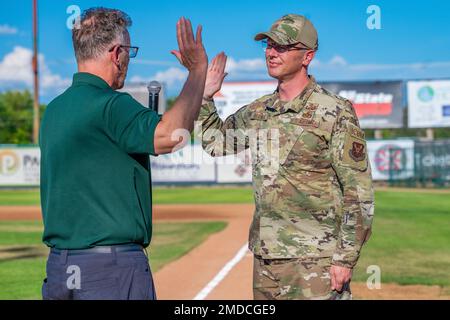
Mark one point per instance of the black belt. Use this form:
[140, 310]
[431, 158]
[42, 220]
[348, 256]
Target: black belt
[101, 249]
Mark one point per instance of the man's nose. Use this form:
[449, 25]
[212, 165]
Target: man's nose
[271, 52]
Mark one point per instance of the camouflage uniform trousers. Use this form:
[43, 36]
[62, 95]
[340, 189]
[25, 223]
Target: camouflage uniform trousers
[295, 279]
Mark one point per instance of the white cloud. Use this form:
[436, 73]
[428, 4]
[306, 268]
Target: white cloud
[171, 77]
[335, 61]
[237, 69]
[7, 30]
[338, 61]
[411, 66]
[337, 68]
[239, 66]
[154, 62]
[16, 70]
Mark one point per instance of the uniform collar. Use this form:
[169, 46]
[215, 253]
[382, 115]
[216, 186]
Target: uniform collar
[299, 101]
[89, 78]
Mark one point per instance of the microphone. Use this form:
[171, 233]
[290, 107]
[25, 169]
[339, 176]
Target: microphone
[154, 87]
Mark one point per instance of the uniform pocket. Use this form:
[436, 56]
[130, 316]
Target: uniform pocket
[53, 289]
[142, 284]
[99, 289]
[141, 287]
[309, 153]
[314, 278]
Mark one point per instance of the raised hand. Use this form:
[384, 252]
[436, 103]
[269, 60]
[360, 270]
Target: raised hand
[215, 76]
[191, 53]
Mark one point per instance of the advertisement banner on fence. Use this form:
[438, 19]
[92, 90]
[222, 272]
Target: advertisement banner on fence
[433, 159]
[391, 159]
[428, 104]
[234, 95]
[189, 165]
[19, 166]
[378, 104]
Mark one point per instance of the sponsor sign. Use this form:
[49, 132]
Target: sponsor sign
[20, 166]
[234, 95]
[428, 104]
[377, 104]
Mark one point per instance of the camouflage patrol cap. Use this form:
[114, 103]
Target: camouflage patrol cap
[292, 29]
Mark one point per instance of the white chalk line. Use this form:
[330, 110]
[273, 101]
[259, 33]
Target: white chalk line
[222, 274]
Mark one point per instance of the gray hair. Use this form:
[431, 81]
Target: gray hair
[98, 29]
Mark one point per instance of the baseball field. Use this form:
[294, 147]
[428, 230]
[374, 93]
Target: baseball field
[200, 233]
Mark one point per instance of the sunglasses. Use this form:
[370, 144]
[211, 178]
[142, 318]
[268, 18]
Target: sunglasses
[132, 51]
[266, 45]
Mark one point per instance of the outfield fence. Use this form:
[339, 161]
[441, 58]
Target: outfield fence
[401, 162]
[431, 165]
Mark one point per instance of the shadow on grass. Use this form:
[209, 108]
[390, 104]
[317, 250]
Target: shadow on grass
[22, 252]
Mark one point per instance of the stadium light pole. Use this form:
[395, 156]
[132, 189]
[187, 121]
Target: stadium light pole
[36, 76]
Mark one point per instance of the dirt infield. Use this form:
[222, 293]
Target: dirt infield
[186, 277]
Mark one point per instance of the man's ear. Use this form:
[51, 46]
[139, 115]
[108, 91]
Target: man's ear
[308, 57]
[114, 55]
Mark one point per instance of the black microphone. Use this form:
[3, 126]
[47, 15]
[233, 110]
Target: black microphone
[154, 88]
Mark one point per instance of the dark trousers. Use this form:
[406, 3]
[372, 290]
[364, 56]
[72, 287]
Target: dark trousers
[98, 276]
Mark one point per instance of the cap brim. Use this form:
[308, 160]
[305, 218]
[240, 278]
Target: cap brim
[272, 35]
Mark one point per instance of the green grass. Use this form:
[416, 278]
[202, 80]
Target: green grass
[161, 195]
[410, 241]
[202, 195]
[22, 256]
[19, 197]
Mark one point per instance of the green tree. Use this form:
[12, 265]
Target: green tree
[170, 102]
[16, 117]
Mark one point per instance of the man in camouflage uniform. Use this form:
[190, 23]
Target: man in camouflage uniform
[311, 175]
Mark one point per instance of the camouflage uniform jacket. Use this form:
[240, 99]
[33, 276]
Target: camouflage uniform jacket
[318, 200]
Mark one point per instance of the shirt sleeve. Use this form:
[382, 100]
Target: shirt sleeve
[351, 164]
[220, 138]
[130, 124]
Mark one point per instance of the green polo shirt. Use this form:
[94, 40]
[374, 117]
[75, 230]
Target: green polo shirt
[94, 191]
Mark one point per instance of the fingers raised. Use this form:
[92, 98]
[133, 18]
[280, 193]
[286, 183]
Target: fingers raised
[189, 35]
[191, 52]
[184, 36]
[198, 37]
[213, 63]
[222, 62]
[179, 35]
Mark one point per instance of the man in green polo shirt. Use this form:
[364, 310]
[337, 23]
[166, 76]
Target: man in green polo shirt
[96, 199]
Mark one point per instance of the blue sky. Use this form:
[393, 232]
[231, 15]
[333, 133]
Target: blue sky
[413, 42]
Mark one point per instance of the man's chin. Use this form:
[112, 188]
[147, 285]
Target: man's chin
[273, 73]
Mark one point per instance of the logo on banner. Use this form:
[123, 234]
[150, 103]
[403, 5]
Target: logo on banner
[368, 103]
[240, 170]
[390, 159]
[446, 111]
[425, 94]
[9, 162]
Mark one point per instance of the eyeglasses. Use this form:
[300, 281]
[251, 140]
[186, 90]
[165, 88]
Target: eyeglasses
[132, 51]
[280, 48]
